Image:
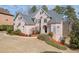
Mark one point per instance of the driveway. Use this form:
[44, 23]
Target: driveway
[20, 44]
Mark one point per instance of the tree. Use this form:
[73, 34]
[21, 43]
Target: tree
[74, 42]
[45, 8]
[33, 9]
[68, 11]
[59, 9]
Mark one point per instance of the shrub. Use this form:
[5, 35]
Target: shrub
[74, 46]
[2, 27]
[50, 34]
[43, 37]
[9, 29]
[17, 32]
[5, 27]
[63, 41]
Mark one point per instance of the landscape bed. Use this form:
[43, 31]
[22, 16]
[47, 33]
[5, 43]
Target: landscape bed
[62, 47]
[46, 38]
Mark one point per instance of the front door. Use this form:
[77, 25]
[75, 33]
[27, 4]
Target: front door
[45, 28]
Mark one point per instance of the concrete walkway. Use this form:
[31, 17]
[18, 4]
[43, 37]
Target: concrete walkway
[20, 44]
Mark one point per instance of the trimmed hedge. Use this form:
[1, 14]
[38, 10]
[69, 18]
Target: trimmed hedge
[43, 37]
[17, 32]
[6, 27]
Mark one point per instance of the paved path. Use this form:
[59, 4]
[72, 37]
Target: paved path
[13, 44]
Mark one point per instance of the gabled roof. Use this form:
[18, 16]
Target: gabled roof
[26, 19]
[54, 22]
[31, 14]
[5, 12]
[55, 16]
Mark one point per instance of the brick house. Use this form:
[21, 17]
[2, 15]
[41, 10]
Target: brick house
[5, 17]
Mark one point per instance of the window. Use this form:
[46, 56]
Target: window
[41, 17]
[20, 17]
[33, 19]
[6, 19]
[39, 20]
[42, 12]
[18, 24]
[45, 20]
[25, 24]
[23, 27]
[58, 27]
[54, 29]
[47, 16]
[13, 23]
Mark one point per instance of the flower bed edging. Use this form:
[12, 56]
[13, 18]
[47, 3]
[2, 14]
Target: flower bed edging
[56, 45]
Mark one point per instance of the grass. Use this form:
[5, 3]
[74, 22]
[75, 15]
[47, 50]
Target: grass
[62, 47]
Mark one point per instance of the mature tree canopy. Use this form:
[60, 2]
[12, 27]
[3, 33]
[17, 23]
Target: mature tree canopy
[59, 9]
[68, 11]
[74, 42]
[45, 8]
[33, 9]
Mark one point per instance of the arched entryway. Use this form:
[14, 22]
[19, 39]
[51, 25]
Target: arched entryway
[45, 28]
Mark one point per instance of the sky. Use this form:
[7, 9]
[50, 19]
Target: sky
[25, 8]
